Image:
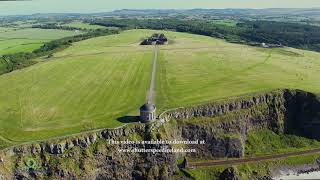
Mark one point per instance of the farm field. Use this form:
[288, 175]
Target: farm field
[230, 23]
[83, 88]
[77, 92]
[196, 69]
[78, 24]
[13, 40]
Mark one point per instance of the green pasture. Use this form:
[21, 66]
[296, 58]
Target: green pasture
[10, 46]
[196, 69]
[97, 82]
[13, 40]
[79, 24]
[76, 92]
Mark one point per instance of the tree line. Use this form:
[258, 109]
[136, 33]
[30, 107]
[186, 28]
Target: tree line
[289, 34]
[55, 26]
[250, 32]
[11, 62]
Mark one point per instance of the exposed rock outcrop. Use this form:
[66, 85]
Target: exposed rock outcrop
[91, 156]
[224, 125]
[289, 111]
[229, 174]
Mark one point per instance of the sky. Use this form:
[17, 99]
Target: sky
[12, 7]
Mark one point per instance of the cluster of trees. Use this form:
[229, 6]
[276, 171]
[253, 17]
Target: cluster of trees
[15, 61]
[55, 26]
[251, 32]
[192, 26]
[289, 34]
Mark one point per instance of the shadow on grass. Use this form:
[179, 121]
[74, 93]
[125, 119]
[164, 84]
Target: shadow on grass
[128, 119]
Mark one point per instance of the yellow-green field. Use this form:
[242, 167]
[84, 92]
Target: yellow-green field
[95, 82]
[195, 69]
[13, 40]
[76, 92]
[79, 24]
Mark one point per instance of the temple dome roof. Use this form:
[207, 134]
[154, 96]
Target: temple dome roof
[148, 107]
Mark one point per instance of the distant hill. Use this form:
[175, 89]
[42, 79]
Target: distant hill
[222, 12]
[308, 12]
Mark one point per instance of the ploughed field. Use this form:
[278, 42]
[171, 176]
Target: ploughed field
[13, 40]
[97, 82]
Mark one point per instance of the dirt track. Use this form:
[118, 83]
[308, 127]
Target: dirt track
[252, 159]
[151, 94]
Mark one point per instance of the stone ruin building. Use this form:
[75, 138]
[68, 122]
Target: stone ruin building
[155, 39]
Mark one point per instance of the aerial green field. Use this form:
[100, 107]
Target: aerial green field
[78, 24]
[10, 46]
[76, 90]
[226, 22]
[13, 40]
[196, 69]
[95, 83]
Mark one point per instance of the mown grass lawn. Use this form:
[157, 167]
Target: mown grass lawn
[196, 69]
[13, 40]
[94, 82]
[74, 92]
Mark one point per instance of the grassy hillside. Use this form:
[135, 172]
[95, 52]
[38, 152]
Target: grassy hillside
[85, 87]
[195, 69]
[95, 82]
[14, 40]
[265, 141]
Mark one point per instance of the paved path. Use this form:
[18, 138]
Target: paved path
[252, 159]
[152, 90]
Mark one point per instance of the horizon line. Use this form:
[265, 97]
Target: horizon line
[138, 9]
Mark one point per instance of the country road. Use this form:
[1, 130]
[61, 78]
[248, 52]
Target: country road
[252, 159]
[151, 94]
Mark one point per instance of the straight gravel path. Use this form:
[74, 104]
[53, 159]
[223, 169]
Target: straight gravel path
[152, 90]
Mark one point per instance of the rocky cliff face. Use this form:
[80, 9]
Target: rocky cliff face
[88, 157]
[289, 111]
[225, 125]
[222, 125]
[303, 114]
